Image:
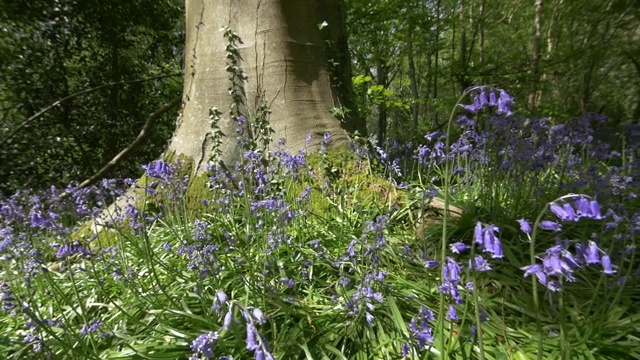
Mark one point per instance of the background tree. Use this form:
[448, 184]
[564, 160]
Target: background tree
[560, 58]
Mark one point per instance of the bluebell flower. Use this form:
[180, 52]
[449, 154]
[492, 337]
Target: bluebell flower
[564, 212]
[325, 138]
[6, 238]
[159, 170]
[592, 253]
[537, 270]
[369, 318]
[458, 247]
[259, 354]
[74, 248]
[91, 327]
[504, 103]
[228, 319]
[588, 208]
[595, 210]
[219, 300]
[258, 315]
[426, 314]
[479, 264]
[451, 271]
[452, 313]
[496, 252]
[478, 235]
[6, 297]
[552, 262]
[550, 225]
[486, 236]
[554, 285]
[204, 344]
[607, 268]
[482, 99]
[405, 350]
[430, 264]
[525, 226]
[469, 286]
[288, 282]
[424, 337]
[35, 341]
[493, 101]
[252, 337]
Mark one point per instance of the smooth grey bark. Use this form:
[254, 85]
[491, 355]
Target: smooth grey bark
[297, 67]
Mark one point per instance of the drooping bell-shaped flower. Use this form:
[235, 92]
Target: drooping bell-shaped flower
[493, 100]
[452, 313]
[550, 225]
[497, 253]
[595, 210]
[606, 265]
[478, 234]
[525, 226]
[592, 253]
[552, 261]
[483, 99]
[564, 212]
[504, 103]
[458, 247]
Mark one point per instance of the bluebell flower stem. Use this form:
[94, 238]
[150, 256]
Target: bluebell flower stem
[566, 342]
[443, 246]
[534, 280]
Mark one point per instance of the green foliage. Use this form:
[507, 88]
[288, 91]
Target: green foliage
[430, 51]
[52, 52]
[155, 287]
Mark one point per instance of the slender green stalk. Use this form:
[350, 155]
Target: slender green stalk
[534, 280]
[443, 241]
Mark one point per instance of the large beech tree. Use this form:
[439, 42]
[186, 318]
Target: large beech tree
[295, 57]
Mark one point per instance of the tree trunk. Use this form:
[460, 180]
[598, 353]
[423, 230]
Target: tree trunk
[413, 82]
[481, 32]
[462, 75]
[382, 79]
[535, 57]
[295, 65]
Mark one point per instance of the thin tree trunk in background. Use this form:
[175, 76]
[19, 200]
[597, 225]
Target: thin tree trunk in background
[535, 58]
[463, 48]
[413, 81]
[381, 75]
[636, 66]
[552, 77]
[481, 31]
[436, 116]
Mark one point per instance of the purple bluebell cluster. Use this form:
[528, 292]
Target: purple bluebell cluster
[204, 345]
[91, 327]
[421, 330]
[558, 262]
[487, 98]
[366, 251]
